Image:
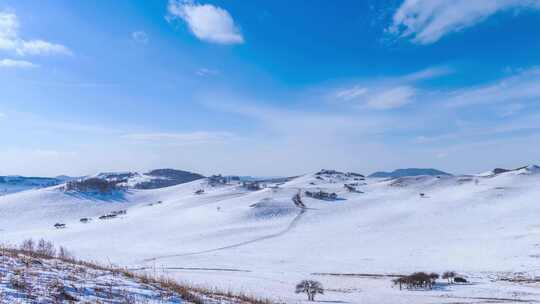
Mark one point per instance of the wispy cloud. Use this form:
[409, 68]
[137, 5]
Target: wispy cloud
[354, 92]
[520, 88]
[477, 131]
[10, 39]
[207, 22]
[388, 93]
[204, 72]
[510, 109]
[140, 36]
[11, 63]
[426, 21]
[428, 73]
[391, 98]
[303, 125]
[182, 139]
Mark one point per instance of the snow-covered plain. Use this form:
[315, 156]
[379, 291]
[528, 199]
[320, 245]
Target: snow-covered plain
[485, 227]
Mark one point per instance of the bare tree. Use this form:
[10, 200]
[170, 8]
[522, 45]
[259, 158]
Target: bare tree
[309, 287]
[45, 248]
[28, 246]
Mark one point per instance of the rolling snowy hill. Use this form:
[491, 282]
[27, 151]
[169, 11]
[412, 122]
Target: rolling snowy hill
[263, 242]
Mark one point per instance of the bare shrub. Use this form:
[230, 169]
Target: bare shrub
[28, 246]
[45, 248]
[19, 282]
[59, 293]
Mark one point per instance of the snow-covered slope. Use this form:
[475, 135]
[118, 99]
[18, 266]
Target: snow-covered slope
[27, 279]
[249, 240]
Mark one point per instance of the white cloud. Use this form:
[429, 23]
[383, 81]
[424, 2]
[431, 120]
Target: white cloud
[426, 21]
[8, 25]
[204, 72]
[140, 36]
[10, 63]
[392, 98]
[182, 139]
[40, 47]
[207, 22]
[10, 40]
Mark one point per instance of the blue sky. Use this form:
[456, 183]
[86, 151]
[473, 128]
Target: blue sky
[268, 87]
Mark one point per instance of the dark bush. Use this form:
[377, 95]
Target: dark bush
[460, 280]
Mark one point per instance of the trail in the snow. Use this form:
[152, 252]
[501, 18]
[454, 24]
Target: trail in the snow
[289, 227]
[189, 268]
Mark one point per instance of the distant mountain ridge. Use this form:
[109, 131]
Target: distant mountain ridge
[12, 184]
[409, 172]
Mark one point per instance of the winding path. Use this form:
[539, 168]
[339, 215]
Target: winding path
[289, 227]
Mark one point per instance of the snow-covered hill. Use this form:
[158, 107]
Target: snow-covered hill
[154, 179]
[408, 172]
[263, 242]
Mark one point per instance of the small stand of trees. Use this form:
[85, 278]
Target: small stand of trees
[310, 288]
[425, 280]
[93, 184]
[322, 195]
[417, 280]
